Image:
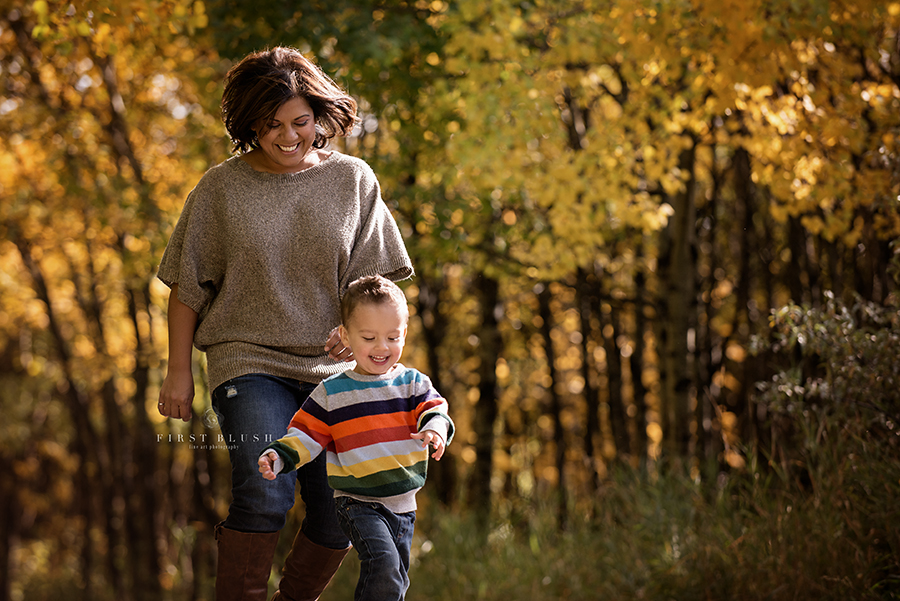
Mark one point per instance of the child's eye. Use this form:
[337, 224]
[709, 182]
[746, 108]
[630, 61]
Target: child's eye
[368, 339]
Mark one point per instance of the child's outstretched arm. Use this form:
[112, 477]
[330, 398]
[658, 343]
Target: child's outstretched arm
[434, 439]
[267, 465]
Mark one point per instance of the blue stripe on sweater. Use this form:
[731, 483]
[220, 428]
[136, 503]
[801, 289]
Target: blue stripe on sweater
[342, 382]
[364, 409]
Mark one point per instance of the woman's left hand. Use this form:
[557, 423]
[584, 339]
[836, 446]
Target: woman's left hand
[336, 349]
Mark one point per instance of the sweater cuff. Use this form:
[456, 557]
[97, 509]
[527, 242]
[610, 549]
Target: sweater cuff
[278, 464]
[439, 426]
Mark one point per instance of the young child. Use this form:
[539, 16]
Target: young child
[375, 423]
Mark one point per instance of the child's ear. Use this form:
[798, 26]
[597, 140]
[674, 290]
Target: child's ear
[345, 336]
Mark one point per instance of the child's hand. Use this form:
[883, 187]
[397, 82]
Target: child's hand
[267, 465]
[429, 437]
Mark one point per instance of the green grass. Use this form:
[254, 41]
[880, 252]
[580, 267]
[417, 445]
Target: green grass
[822, 523]
[755, 534]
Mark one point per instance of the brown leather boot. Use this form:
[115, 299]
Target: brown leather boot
[244, 564]
[307, 570]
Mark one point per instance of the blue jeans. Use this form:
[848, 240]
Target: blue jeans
[383, 540]
[253, 411]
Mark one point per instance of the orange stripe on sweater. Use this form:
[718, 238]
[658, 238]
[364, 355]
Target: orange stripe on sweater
[374, 422]
[314, 428]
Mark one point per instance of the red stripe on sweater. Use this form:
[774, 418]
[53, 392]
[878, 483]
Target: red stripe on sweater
[352, 427]
[366, 438]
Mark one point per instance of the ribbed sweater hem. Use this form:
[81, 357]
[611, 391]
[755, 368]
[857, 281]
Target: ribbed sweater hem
[398, 503]
[229, 360]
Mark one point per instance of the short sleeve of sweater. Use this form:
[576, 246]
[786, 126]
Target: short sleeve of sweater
[192, 258]
[378, 248]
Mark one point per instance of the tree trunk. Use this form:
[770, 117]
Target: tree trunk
[615, 402]
[797, 276]
[584, 299]
[559, 437]
[708, 341]
[9, 498]
[745, 190]
[489, 348]
[677, 308]
[637, 359]
[434, 327]
[142, 501]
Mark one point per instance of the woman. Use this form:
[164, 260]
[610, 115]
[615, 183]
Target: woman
[266, 244]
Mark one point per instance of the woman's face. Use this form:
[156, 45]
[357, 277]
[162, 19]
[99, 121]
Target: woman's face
[286, 140]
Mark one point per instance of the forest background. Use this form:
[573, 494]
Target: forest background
[657, 278]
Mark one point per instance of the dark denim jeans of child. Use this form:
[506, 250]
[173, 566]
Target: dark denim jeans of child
[383, 540]
[254, 411]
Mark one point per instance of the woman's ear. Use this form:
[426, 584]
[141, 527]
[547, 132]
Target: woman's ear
[258, 127]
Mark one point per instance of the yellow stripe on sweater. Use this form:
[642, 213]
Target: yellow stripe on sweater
[374, 466]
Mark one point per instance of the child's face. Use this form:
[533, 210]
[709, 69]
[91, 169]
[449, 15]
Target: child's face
[375, 333]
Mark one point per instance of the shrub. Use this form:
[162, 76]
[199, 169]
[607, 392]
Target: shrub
[845, 359]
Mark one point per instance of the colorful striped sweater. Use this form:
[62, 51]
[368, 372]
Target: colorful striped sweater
[363, 423]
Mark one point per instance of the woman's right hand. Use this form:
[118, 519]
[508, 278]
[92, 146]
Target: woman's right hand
[177, 394]
[177, 391]
[335, 348]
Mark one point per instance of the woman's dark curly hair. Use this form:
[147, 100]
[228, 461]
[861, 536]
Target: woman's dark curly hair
[261, 82]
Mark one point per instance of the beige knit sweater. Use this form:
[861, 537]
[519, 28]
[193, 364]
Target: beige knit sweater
[264, 259]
